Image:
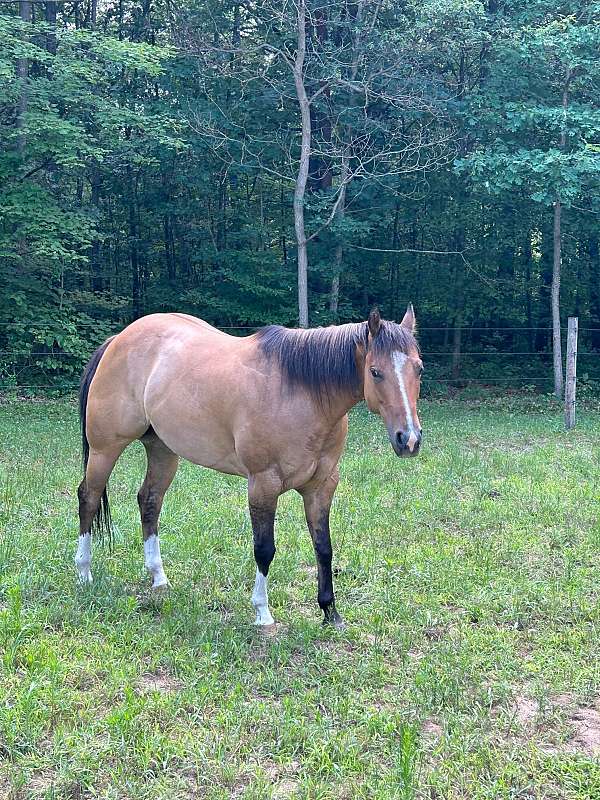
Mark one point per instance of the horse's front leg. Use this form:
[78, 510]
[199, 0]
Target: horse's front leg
[317, 503]
[263, 493]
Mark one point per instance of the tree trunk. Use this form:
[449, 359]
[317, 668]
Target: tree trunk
[300, 188]
[557, 256]
[334, 294]
[556, 343]
[320, 173]
[396, 263]
[50, 14]
[222, 220]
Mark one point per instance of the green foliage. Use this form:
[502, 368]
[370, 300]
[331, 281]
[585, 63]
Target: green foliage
[544, 86]
[147, 163]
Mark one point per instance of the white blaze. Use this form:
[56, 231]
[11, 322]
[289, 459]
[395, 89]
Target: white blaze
[400, 360]
[260, 600]
[83, 558]
[153, 562]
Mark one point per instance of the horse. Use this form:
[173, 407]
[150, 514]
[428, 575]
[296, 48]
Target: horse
[271, 407]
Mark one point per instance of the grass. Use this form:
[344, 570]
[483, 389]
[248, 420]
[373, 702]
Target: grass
[468, 579]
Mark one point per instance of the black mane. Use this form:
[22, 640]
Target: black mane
[323, 360]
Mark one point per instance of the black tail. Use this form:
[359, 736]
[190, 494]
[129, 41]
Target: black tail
[102, 523]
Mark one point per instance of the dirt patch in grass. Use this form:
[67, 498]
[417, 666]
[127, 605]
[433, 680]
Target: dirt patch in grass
[283, 778]
[159, 681]
[41, 781]
[240, 786]
[6, 789]
[434, 633]
[338, 647]
[586, 736]
[582, 721]
[431, 731]
[285, 788]
[414, 656]
[526, 710]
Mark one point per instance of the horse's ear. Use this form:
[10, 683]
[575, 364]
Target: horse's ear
[409, 320]
[374, 322]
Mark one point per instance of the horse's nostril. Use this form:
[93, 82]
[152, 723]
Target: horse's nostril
[402, 438]
[409, 440]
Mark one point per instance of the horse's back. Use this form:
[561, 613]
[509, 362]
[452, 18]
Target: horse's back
[173, 325]
[200, 323]
[151, 336]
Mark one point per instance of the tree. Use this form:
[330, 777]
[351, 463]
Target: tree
[545, 150]
[353, 68]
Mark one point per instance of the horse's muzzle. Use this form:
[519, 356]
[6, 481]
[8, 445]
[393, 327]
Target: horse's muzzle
[407, 443]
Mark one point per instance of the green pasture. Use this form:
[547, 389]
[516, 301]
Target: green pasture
[468, 579]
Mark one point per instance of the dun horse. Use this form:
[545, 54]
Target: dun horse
[271, 407]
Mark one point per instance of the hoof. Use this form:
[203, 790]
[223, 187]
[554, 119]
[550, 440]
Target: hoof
[84, 578]
[267, 630]
[161, 589]
[334, 620]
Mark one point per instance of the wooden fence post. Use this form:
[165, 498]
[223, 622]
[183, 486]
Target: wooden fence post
[571, 373]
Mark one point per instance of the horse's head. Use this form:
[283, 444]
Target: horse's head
[392, 379]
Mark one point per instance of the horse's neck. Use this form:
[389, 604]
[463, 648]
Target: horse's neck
[345, 399]
[347, 402]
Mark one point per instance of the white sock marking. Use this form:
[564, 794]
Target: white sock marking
[400, 360]
[83, 558]
[260, 600]
[153, 562]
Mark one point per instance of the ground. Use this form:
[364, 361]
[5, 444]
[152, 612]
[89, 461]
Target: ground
[468, 579]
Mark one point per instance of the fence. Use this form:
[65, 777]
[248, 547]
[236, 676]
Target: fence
[39, 370]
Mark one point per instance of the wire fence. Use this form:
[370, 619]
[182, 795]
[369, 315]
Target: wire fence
[18, 362]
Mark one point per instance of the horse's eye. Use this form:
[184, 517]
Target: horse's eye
[376, 374]
[420, 371]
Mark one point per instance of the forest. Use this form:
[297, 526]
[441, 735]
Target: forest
[297, 162]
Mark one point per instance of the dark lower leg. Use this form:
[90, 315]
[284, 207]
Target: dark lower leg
[316, 505]
[263, 531]
[89, 503]
[323, 552]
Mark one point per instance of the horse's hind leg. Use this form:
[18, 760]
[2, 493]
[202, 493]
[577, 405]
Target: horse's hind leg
[98, 469]
[162, 466]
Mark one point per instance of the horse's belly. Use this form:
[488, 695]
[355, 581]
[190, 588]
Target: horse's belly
[188, 421]
[202, 444]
